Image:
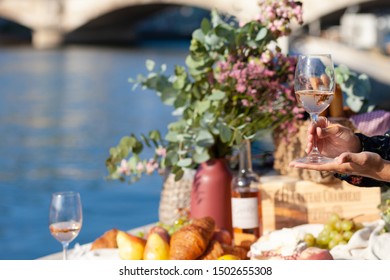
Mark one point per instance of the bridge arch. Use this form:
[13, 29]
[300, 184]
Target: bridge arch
[102, 7]
[243, 9]
[58, 17]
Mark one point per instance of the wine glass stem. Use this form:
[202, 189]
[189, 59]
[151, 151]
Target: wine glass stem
[65, 250]
[314, 119]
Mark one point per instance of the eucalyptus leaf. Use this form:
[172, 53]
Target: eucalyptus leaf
[198, 35]
[213, 40]
[252, 44]
[186, 162]
[199, 158]
[354, 103]
[172, 158]
[172, 136]
[213, 129]
[132, 162]
[179, 174]
[182, 100]
[238, 136]
[216, 19]
[138, 147]
[192, 63]
[150, 64]
[225, 32]
[204, 138]
[113, 152]
[168, 95]
[146, 140]
[226, 133]
[178, 125]
[200, 150]
[342, 73]
[205, 26]
[356, 89]
[128, 142]
[217, 95]
[179, 83]
[155, 135]
[261, 34]
[203, 106]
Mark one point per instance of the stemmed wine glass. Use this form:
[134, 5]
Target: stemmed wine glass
[65, 218]
[314, 86]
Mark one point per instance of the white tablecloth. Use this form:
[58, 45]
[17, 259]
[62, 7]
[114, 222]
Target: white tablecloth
[368, 243]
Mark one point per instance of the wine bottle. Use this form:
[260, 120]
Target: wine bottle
[246, 197]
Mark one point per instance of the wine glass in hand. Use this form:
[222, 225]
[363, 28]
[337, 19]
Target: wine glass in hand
[314, 87]
[65, 218]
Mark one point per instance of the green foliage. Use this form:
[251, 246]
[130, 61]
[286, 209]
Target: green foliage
[212, 119]
[356, 89]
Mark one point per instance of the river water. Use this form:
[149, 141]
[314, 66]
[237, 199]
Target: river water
[60, 112]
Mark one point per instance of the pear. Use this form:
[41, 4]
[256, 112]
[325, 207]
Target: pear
[157, 248]
[130, 247]
[161, 231]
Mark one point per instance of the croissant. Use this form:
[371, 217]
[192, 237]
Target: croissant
[238, 251]
[107, 240]
[213, 251]
[191, 241]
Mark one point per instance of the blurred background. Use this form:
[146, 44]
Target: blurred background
[66, 99]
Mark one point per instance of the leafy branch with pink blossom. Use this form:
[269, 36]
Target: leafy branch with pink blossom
[234, 85]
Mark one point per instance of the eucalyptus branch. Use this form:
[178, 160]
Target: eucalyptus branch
[233, 85]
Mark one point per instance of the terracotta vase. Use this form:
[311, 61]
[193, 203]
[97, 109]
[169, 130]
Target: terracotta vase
[211, 193]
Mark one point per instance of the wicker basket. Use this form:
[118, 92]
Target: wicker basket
[175, 197]
[285, 152]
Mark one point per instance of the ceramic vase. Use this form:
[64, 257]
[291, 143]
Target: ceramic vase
[211, 193]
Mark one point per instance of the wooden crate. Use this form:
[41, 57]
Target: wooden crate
[288, 202]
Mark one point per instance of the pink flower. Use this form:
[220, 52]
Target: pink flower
[124, 167]
[277, 15]
[151, 166]
[240, 88]
[140, 167]
[245, 102]
[161, 151]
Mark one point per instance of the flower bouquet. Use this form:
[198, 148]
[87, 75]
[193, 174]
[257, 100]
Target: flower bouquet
[236, 82]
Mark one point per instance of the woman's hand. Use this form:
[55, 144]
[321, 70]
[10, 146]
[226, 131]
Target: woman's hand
[332, 139]
[365, 164]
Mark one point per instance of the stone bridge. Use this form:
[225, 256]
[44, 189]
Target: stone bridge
[50, 20]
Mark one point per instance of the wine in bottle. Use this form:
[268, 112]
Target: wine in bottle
[246, 197]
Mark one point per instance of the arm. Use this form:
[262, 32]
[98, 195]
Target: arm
[376, 144]
[381, 146]
[363, 169]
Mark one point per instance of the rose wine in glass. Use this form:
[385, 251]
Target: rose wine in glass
[314, 86]
[65, 218]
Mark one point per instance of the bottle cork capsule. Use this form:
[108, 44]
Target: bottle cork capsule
[336, 108]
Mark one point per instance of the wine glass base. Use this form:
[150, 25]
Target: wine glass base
[317, 159]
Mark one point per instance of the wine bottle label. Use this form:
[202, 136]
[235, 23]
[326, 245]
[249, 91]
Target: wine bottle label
[244, 213]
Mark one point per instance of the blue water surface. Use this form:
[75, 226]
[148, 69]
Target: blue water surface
[60, 112]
